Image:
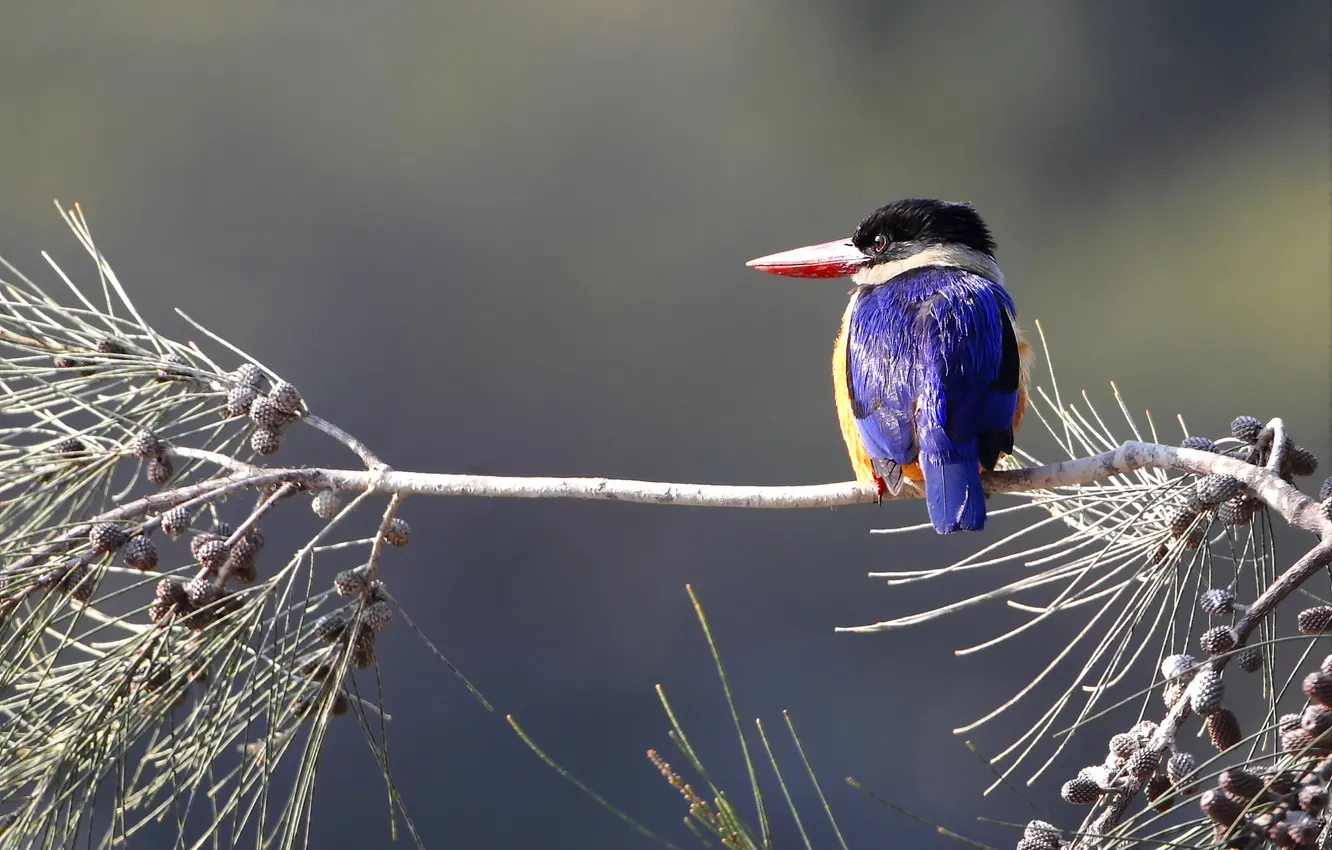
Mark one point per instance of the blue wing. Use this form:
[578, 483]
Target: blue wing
[881, 362]
[932, 373]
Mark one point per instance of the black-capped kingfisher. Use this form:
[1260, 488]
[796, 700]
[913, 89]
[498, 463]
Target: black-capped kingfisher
[929, 368]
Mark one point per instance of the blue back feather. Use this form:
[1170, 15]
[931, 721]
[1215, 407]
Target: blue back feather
[926, 356]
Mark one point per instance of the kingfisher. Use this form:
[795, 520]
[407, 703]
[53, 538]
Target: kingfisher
[929, 368]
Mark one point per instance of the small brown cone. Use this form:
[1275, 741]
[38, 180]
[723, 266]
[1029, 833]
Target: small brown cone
[1124, 744]
[1218, 640]
[1224, 729]
[1158, 793]
[1206, 691]
[1143, 763]
[1080, 791]
[1313, 799]
[363, 650]
[1297, 742]
[1249, 659]
[398, 532]
[107, 537]
[1316, 719]
[1302, 829]
[1240, 783]
[1318, 687]
[1179, 770]
[1315, 620]
[331, 627]
[140, 553]
[1220, 806]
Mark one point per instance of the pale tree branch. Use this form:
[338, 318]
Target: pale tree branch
[1295, 507]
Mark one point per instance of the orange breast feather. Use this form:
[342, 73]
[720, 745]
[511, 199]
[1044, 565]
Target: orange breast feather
[1024, 370]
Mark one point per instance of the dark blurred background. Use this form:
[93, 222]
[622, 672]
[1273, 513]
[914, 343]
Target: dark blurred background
[509, 237]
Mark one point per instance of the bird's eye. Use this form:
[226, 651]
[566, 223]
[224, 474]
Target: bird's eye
[880, 242]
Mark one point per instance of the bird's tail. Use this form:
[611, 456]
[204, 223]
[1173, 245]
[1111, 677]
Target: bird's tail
[953, 493]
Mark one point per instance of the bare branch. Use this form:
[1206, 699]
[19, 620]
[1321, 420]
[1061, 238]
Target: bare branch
[1287, 583]
[361, 450]
[377, 546]
[1295, 507]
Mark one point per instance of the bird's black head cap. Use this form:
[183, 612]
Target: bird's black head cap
[900, 229]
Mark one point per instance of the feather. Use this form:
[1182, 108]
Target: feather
[933, 376]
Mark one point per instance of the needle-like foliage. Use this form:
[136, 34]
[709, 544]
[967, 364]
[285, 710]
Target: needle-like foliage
[712, 816]
[1139, 576]
[159, 669]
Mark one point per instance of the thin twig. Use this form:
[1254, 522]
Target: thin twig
[377, 547]
[361, 450]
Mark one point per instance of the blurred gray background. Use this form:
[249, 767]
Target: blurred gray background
[509, 237]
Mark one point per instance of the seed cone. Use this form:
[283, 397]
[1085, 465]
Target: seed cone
[1224, 729]
[1318, 687]
[1217, 602]
[1217, 641]
[1081, 791]
[1207, 691]
[1246, 428]
[1220, 806]
[1315, 620]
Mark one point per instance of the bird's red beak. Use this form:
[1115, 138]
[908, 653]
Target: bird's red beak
[831, 259]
